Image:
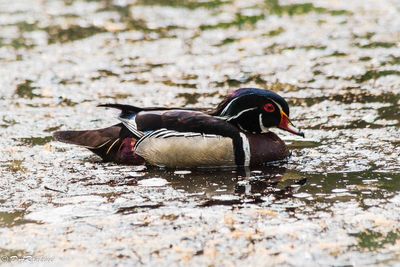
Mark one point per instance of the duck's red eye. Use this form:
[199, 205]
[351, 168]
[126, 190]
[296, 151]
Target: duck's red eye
[269, 107]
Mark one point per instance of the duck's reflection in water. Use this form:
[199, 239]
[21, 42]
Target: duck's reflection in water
[234, 186]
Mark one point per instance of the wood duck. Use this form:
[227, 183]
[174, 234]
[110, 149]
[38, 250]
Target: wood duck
[235, 133]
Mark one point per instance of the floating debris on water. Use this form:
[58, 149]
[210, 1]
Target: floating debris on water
[182, 172]
[153, 182]
[337, 64]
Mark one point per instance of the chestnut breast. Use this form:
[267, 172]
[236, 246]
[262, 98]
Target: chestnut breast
[266, 147]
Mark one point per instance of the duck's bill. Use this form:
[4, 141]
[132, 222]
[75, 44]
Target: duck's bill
[288, 126]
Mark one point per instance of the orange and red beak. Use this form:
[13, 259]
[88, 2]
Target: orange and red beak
[287, 125]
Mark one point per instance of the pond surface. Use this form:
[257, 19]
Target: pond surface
[335, 201]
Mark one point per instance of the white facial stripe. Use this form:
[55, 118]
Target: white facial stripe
[246, 149]
[221, 118]
[227, 107]
[241, 128]
[279, 106]
[262, 127]
[240, 113]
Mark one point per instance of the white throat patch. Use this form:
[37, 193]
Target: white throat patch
[262, 127]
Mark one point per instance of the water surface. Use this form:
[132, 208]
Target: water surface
[335, 201]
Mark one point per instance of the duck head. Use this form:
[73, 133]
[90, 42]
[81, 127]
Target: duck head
[256, 110]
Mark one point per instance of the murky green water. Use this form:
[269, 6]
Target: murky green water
[335, 201]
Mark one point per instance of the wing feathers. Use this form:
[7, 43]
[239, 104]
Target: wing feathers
[131, 125]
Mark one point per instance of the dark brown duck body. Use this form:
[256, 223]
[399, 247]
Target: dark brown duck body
[236, 133]
[192, 151]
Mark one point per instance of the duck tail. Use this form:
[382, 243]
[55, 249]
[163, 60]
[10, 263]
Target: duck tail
[129, 109]
[89, 138]
[109, 143]
[125, 109]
